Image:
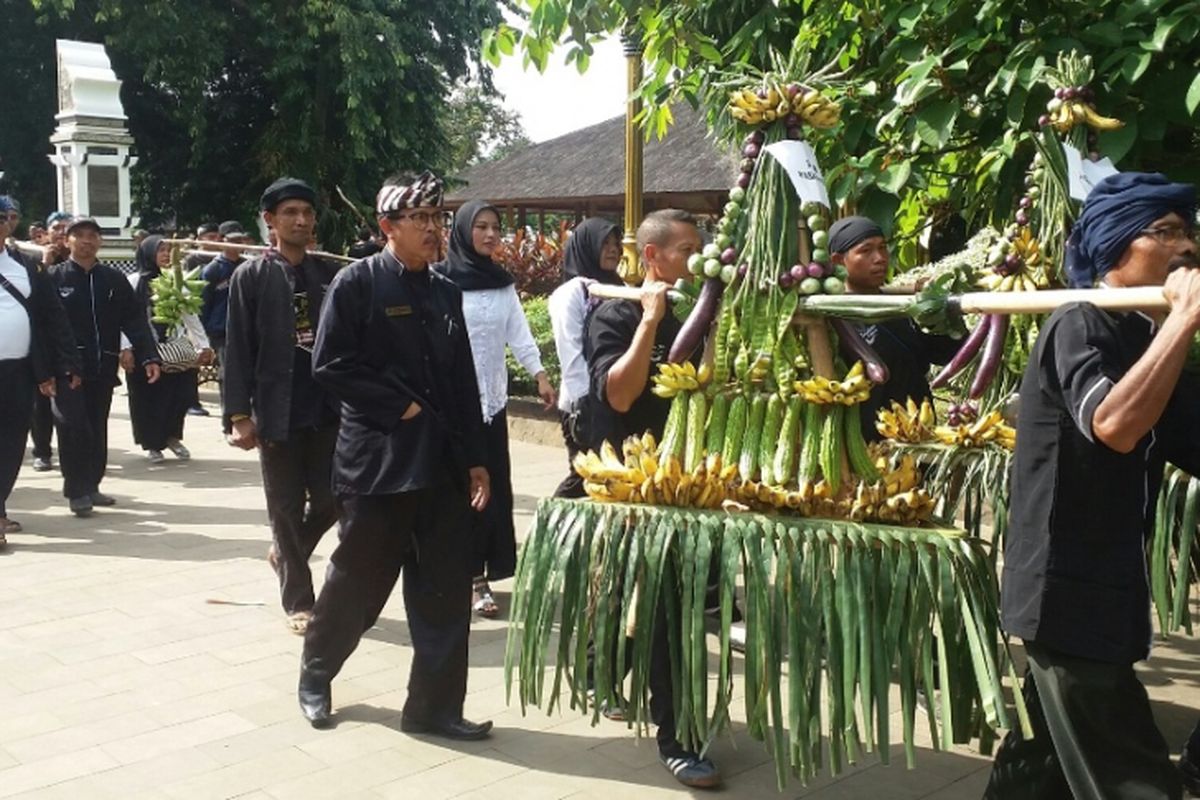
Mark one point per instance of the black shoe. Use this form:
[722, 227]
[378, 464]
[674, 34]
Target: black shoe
[197, 411]
[1189, 771]
[100, 499]
[463, 730]
[692, 770]
[316, 700]
[81, 506]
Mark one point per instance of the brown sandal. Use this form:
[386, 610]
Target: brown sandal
[298, 623]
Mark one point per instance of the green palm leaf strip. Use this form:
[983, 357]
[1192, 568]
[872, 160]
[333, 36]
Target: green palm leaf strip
[836, 612]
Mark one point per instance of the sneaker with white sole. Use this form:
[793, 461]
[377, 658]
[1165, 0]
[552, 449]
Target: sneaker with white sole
[155, 456]
[692, 770]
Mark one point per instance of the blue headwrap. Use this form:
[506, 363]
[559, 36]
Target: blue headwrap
[1116, 210]
[7, 203]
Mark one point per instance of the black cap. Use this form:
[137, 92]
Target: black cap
[207, 227]
[286, 189]
[232, 228]
[83, 222]
[849, 231]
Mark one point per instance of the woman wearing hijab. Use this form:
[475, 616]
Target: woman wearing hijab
[495, 320]
[590, 256]
[157, 410]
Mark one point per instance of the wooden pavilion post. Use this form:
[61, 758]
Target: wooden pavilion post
[631, 265]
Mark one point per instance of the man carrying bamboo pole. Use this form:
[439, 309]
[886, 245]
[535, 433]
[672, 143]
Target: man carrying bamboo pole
[1102, 408]
[625, 343]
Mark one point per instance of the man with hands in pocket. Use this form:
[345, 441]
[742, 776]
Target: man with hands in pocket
[392, 347]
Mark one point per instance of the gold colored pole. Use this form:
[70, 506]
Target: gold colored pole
[631, 270]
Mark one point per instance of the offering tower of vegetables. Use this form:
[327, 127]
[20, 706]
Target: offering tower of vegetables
[770, 418]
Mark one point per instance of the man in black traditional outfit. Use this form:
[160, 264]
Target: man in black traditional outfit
[858, 244]
[100, 305]
[392, 347]
[271, 400]
[1103, 404]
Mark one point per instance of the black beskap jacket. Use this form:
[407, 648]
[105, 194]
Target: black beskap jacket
[100, 305]
[260, 336]
[390, 337]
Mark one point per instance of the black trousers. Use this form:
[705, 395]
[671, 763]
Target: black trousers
[297, 481]
[157, 410]
[494, 539]
[1094, 736]
[81, 416]
[42, 426]
[423, 534]
[16, 401]
[572, 485]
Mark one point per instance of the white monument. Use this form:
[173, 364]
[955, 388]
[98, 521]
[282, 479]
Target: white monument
[92, 143]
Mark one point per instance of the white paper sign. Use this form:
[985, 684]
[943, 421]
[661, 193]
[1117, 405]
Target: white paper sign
[800, 163]
[1083, 173]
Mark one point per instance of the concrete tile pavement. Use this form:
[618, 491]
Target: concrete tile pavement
[143, 654]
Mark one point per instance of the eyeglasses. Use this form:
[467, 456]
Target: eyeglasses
[423, 219]
[1169, 234]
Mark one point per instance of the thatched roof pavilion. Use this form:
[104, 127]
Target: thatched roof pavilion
[583, 173]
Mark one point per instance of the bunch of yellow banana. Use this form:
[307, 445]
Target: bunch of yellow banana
[810, 500]
[907, 423]
[991, 428]
[894, 497]
[755, 108]
[1029, 276]
[1077, 112]
[816, 109]
[703, 488]
[855, 388]
[675, 378]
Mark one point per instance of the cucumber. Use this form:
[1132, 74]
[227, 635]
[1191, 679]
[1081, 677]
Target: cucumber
[718, 419]
[785, 453]
[856, 446]
[770, 439]
[693, 446]
[810, 445]
[831, 447]
[748, 463]
[673, 432]
[735, 430]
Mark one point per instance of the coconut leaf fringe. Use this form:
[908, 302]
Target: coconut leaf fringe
[1175, 549]
[839, 608]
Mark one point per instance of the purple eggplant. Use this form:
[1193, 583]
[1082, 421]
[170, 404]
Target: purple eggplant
[993, 354]
[853, 345]
[970, 347]
[698, 322]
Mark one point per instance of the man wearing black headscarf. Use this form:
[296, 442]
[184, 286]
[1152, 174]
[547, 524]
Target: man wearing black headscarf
[1103, 405]
[858, 245]
[392, 347]
[272, 401]
[591, 255]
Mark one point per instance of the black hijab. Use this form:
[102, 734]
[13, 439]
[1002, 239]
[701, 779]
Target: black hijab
[581, 256]
[464, 265]
[146, 258]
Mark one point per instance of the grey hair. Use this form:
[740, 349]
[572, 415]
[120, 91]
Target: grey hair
[656, 227]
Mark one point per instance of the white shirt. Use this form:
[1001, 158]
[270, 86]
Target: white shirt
[495, 320]
[568, 306]
[15, 329]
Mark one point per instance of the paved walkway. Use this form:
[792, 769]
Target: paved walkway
[120, 677]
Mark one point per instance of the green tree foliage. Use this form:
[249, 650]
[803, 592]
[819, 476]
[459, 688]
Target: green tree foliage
[478, 128]
[223, 97]
[942, 94]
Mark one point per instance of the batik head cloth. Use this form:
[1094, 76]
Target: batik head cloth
[425, 192]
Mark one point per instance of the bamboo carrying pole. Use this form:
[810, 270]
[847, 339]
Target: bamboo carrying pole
[1140, 298]
[247, 248]
[631, 268]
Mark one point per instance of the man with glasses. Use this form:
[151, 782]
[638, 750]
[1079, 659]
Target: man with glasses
[1104, 403]
[393, 348]
[270, 398]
